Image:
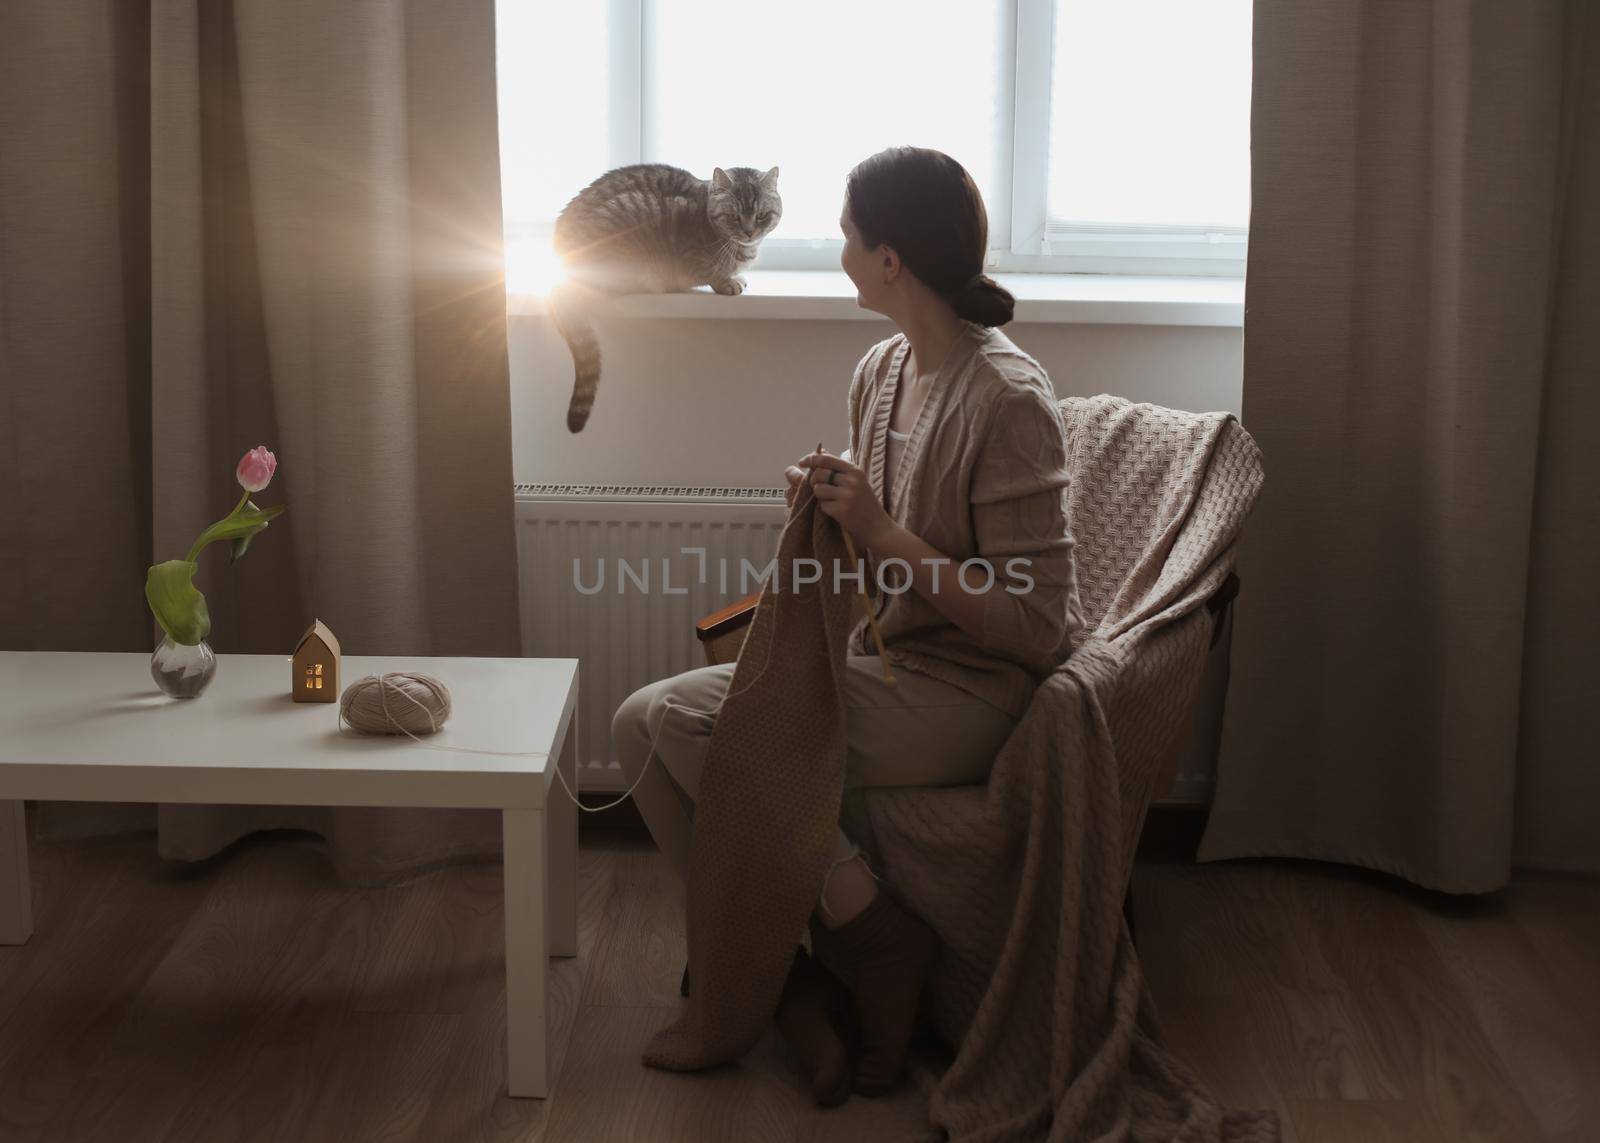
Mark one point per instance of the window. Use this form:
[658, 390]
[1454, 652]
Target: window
[1160, 167]
[1105, 136]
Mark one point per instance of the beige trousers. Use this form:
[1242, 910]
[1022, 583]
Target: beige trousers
[919, 732]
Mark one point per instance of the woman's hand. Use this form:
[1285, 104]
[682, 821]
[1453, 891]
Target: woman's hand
[796, 477]
[845, 493]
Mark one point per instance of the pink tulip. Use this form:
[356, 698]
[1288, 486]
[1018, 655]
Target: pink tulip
[256, 469]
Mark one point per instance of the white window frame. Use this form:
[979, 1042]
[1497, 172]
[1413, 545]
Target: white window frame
[1021, 237]
[1038, 245]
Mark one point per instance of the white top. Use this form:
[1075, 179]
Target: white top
[891, 459]
[91, 726]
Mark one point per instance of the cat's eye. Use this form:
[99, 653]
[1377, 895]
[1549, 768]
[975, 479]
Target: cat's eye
[763, 218]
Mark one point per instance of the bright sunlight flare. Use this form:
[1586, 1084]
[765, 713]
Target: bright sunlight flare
[532, 266]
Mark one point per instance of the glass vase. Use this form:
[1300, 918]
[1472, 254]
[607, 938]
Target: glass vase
[181, 670]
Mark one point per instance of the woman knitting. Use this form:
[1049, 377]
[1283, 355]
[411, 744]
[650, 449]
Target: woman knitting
[957, 454]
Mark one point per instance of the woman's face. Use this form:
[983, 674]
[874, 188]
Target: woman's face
[863, 267]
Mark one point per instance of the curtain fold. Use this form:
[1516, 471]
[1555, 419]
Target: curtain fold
[74, 359]
[302, 201]
[1412, 642]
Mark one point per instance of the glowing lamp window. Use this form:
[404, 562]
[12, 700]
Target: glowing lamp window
[314, 677]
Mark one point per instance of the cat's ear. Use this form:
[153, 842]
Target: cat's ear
[720, 179]
[770, 179]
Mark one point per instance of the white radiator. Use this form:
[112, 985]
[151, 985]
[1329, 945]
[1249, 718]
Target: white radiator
[639, 625]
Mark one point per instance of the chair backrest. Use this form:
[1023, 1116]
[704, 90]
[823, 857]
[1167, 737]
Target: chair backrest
[1137, 546]
[1120, 456]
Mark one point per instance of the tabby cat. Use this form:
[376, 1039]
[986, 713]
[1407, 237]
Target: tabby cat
[653, 229]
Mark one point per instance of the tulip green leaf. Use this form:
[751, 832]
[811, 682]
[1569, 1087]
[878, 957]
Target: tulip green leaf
[239, 525]
[177, 604]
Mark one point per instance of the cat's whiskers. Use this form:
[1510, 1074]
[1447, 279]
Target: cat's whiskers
[744, 250]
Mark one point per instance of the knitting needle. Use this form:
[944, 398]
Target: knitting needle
[861, 592]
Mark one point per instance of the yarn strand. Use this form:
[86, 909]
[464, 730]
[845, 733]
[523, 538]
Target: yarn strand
[669, 705]
[383, 687]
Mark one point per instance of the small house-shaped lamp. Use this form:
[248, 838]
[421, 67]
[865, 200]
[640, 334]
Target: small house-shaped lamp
[316, 666]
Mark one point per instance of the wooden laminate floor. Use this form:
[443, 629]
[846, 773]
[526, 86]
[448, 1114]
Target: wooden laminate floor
[254, 998]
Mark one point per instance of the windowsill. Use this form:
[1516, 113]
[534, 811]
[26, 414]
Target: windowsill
[819, 295]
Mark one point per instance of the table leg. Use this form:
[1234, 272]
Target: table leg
[562, 817]
[16, 889]
[527, 1024]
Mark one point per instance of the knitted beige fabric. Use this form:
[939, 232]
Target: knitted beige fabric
[1037, 980]
[768, 807]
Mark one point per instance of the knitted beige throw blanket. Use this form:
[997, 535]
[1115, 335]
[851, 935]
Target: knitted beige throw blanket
[1037, 981]
[768, 805]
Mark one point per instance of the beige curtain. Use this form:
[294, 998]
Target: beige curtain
[1414, 651]
[247, 222]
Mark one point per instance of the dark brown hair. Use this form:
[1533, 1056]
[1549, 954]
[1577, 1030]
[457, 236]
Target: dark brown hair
[924, 206]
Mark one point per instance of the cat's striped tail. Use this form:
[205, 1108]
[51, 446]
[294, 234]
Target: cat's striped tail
[568, 305]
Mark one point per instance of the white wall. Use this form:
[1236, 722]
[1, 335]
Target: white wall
[731, 402]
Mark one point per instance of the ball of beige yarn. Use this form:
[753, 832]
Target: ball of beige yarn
[396, 704]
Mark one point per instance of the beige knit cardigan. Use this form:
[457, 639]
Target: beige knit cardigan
[983, 475]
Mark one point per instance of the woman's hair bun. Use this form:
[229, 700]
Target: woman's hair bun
[984, 301]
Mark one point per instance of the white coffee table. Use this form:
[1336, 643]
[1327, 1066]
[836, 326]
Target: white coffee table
[91, 726]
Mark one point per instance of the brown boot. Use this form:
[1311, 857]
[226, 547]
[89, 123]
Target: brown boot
[883, 956]
[814, 1001]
